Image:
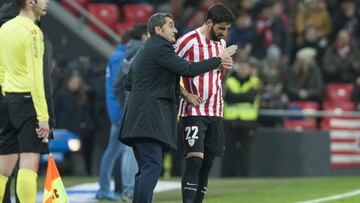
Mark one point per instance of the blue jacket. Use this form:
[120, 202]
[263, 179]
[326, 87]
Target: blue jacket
[120, 82]
[112, 68]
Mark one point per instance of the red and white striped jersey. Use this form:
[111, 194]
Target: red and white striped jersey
[194, 47]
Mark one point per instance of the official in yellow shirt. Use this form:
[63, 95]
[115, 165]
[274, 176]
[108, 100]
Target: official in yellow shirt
[24, 120]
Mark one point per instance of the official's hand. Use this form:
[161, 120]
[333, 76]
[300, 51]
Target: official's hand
[228, 52]
[43, 130]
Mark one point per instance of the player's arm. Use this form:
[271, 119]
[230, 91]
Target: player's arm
[34, 51]
[189, 97]
[225, 72]
[167, 58]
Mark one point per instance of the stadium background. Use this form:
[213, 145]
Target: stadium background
[297, 145]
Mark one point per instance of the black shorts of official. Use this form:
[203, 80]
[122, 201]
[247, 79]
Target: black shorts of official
[203, 134]
[18, 123]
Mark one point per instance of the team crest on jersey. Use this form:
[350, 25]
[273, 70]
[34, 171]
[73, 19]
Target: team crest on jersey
[191, 142]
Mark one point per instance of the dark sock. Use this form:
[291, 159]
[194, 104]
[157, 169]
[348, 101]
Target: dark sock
[203, 179]
[189, 183]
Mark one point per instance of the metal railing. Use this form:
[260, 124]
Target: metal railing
[308, 113]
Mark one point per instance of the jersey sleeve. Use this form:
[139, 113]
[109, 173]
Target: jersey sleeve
[182, 47]
[34, 50]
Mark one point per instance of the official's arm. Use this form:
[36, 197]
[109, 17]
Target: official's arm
[34, 57]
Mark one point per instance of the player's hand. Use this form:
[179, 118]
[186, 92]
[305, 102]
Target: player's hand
[227, 63]
[43, 130]
[193, 99]
[228, 52]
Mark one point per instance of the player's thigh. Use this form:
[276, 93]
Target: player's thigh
[214, 142]
[7, 164]
[193, 134]
[8, 136]
[23, 117]
[29, 161]
[28, 140]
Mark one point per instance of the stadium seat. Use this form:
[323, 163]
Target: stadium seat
[339, 92]
[70, 8]
[106, 13]
[138, 13]
[121, 27]
[304, 106]
[339, 106]
[300, 125]
[336, 107]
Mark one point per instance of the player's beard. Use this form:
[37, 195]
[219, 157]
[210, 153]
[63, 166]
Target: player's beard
[214, 36]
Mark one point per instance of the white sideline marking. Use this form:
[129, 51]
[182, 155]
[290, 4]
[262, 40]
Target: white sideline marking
[333, 197]
[85, 193]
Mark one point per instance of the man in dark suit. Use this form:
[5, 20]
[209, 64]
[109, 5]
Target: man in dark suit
[149, 119]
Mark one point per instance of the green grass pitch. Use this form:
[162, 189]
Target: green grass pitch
[256, 190]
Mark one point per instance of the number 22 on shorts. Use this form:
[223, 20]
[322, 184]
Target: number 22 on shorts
[191, 132]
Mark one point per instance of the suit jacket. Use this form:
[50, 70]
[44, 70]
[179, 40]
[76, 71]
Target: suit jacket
[151, 109]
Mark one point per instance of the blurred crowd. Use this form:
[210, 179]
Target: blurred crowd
[295, 47]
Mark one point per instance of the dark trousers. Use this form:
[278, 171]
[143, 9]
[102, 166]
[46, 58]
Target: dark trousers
[149, 156]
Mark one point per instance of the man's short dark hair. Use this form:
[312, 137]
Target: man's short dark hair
[126, 36]
[22, 3]
[158, 19]
[138, 31]
[219, 13]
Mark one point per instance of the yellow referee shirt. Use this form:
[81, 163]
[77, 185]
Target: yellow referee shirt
[21, 54]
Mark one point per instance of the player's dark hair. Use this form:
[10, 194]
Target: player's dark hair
[220, 13]
[158, 19]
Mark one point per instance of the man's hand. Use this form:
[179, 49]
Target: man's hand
[43, 130]
[227, 63]
[228, 52]
[193, 99]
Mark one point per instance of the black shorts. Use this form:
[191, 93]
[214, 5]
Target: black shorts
[203, 134]
[17, 125]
